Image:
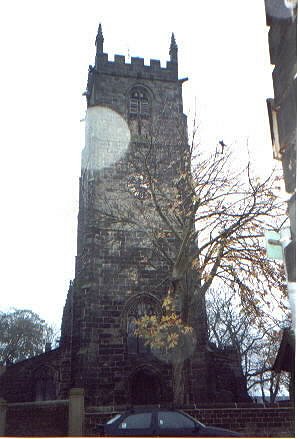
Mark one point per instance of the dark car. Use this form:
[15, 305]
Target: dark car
[159, 422]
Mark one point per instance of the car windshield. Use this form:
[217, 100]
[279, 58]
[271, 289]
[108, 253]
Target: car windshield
[194, 419]
[113, 419]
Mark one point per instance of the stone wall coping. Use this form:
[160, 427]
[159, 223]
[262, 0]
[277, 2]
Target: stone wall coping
[38, 403]
[204, 407]
[42, 355]
[76, 391]
[258, 407]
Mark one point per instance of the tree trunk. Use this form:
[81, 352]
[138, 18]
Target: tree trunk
[274, 387]
[178, 383]
[262, 390]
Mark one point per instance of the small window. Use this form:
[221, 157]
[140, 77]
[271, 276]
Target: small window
[139, 420]
[273, 120]
[174, 420]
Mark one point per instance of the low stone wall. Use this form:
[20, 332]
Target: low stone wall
[249, 419]
[36, 419]
[68, 417]
[44, 418]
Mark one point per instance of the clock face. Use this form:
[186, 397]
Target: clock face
[107, 137]
[138, 186]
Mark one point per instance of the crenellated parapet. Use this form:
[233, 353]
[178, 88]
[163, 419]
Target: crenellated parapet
[136, 68]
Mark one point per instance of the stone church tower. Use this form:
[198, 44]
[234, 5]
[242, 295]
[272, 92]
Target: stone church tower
[133, 111]
[127, 106]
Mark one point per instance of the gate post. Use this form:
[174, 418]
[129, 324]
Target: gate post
[76, 412]
[3, 406]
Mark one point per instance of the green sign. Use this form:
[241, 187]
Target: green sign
[273, 245]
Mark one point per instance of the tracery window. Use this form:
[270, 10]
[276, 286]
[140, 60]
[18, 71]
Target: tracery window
[139, 104]
[143, 305]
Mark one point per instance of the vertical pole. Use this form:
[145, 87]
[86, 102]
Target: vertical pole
[76, 412]
[3, 406]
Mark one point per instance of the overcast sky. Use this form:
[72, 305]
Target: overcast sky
[46, 48]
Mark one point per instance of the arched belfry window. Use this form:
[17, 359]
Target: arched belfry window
[136, 308]
[139, 102]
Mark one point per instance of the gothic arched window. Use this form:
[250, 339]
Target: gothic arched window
[44, 384]
[137, 308]
[139, 103]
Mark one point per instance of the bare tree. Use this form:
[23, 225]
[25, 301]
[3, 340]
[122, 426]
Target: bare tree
[271, 384]
[205, 220]
[257, 346]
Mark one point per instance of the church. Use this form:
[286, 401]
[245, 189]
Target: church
[119, 275]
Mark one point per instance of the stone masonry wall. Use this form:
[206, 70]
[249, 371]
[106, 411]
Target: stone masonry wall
[37, 420]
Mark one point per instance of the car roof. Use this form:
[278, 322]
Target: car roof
[151, 409]
[155, 409]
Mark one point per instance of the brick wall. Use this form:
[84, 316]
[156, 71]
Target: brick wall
[250, 420]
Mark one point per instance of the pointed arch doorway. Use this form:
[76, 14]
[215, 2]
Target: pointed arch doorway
[145, 387]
